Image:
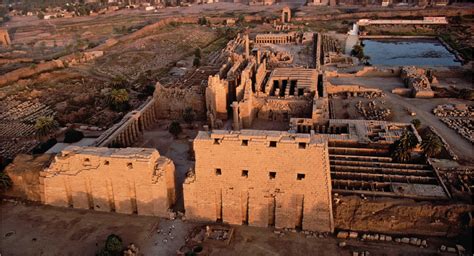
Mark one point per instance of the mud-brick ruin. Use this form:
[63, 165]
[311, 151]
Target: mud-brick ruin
[261, 178]
[128, 180]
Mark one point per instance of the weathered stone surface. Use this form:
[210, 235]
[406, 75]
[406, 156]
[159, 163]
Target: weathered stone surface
[262, 181]
[128, 180]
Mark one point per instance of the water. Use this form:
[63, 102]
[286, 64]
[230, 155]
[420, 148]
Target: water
[404, 52]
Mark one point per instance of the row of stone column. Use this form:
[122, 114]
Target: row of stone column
[139, 123]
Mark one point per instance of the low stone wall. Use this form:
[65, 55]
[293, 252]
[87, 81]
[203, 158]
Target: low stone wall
[399, 216]
[447, 11]
[35, 69]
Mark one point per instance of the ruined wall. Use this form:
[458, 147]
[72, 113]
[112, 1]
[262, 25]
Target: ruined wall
[283, 109]
[65, 61]
[129, 180]
[445, 11]
[216, 97]
[263, 178]
[399, 216]
[170, 103]
[24, 172]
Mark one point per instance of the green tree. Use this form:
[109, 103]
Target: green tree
[416, 123]
[196, 62]
[408, 140]
[175, 128]
[401, 149]
[5, 181]
[189, 115]
[431, 145]
[118, 99]
[113, 246]
[400, 154]
[358, 51]
[45, 125]
[202, 21]
[197, 52]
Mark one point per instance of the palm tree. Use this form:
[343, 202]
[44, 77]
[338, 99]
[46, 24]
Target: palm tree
[117, 98]
[431, 145]
[401, 149]
[45, 125]
[400, 153]
[408, 140]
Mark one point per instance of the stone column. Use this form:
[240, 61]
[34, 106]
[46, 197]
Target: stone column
[247, 46]
[140, 123]
[258, 57]
[137, 127]
[121, 140]
[125, 139]
[235, 116]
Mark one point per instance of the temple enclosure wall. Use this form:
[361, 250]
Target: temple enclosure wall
[260, 178]
[400, 216]
[127, 180]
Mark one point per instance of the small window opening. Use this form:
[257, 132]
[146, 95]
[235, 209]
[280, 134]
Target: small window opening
[301, 145]
[218, 172]
[217, 142]
[130, 165]
[245, 142]
[273, 144]
[272, 175]
[106, 162]
[245, 173]
[300, 176]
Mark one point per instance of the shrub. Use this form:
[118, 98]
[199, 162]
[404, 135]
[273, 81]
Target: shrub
[113, 246]
[175, 128]
[188, 115]
[45, 125]
[72, 136]
[416, 123]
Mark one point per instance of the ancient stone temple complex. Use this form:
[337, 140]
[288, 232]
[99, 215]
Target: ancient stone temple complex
[271, 153]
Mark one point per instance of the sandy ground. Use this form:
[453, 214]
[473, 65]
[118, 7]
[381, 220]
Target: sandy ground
[46, 230]
[422, 107]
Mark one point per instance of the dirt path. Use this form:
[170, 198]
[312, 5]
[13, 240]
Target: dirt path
[46, 230]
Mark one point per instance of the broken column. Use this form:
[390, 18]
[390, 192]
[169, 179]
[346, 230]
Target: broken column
[235, 115]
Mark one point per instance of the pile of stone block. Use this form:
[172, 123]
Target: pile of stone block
[417, 80]
[459, 117]
[450, 110]
[372, 111]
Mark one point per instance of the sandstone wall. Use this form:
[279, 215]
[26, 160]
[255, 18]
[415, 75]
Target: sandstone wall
[127, 180]
[242, 177]
[170, 103]
[283, 110]
[400, 216]
[24, 172]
